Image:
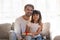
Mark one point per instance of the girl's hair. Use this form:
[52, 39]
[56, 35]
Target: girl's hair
[39, 13]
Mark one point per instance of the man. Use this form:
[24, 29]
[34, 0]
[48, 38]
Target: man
[20, 23]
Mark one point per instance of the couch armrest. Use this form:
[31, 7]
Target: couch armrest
[46, 35]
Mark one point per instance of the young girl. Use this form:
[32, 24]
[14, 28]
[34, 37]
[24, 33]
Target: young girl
[34, 27]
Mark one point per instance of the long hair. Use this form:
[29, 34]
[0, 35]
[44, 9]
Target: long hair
[40, 18]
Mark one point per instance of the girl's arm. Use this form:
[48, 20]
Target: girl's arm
[39, 29]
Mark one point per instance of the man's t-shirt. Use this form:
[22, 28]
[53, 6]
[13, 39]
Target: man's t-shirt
[20, 26]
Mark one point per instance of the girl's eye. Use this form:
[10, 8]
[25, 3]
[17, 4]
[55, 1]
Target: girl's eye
[36, 15]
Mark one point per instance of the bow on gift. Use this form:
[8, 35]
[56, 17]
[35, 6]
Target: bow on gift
[26, 33]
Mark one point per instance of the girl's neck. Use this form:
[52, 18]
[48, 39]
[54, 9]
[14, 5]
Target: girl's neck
[35, 21]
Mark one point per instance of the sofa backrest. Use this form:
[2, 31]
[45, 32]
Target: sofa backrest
[46, 28]
[4, 30]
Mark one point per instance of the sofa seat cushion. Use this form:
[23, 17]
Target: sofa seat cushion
[3, 39]
[4, 30]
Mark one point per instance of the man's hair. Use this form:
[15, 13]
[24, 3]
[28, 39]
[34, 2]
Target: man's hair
[29, 5]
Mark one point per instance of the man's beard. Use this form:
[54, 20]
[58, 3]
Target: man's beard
[28, 14]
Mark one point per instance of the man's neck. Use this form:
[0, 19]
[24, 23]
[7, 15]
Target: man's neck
[26, 17]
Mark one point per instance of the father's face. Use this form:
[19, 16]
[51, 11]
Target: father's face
[28, 11]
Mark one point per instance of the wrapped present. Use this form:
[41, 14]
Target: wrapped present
[26, 33]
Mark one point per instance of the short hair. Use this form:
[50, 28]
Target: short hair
[29, 5]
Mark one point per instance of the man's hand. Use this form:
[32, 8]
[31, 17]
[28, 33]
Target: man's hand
[33, 35]
[21, 39]
[23, 33]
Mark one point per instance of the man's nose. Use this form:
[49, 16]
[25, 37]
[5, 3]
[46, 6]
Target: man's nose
[30, 11]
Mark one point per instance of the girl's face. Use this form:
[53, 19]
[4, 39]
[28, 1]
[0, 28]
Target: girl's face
[35, 17]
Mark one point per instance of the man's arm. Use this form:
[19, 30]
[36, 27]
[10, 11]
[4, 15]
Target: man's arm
[17, 29]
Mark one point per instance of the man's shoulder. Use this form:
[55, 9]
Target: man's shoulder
[19, 18]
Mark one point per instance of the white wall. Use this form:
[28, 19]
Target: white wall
[54, 13]
[11, 9]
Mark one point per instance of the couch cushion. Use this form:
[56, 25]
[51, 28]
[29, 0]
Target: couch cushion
[4, 30]
[3, 39]
[12, 26]
[46, 29]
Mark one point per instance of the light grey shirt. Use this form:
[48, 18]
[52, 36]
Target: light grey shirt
[20, 26]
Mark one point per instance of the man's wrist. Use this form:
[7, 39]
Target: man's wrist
[19, 37]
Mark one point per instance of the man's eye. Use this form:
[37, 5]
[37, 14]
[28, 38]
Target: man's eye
[27, 9]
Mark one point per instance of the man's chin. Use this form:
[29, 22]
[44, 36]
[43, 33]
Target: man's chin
[28, 15]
